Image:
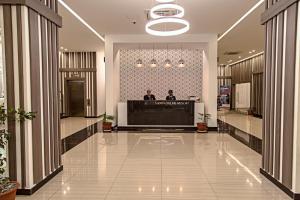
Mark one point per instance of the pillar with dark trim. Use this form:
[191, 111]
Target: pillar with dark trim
[281, 123]
[30, 32]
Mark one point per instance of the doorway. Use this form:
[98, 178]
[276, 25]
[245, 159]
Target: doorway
[76, 97]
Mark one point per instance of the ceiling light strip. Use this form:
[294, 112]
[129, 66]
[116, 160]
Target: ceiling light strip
[80, 19]
[258, 54]
[241, 19]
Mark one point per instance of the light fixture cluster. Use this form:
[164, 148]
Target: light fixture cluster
[153, 63]
[158, 18]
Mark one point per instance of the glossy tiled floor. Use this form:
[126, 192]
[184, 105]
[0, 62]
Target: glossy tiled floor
[138, 166]
[70, 125]
[246, 123]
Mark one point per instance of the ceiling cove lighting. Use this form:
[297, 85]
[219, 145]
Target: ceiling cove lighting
[80, 19]
[241, 19]
[165, 19]
[179, 14]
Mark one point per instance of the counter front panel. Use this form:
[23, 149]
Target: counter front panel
[161, 113]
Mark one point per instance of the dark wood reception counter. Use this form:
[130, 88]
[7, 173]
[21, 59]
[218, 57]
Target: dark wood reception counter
[161, 113]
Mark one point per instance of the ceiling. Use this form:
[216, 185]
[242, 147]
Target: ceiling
[246, 37]
[117, 17]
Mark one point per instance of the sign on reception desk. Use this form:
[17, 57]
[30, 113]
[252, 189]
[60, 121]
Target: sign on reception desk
[161, 113]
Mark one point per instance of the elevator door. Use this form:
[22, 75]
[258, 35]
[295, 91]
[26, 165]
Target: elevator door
[76, 98]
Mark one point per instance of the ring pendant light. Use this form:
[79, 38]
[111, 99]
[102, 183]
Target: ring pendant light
[155, 9]
[165, 1]
[167, 20]
[159, 18]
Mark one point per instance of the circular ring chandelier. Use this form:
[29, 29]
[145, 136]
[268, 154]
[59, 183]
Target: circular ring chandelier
[164, 19]
[167, 20]
[158, 7]
[165, 1]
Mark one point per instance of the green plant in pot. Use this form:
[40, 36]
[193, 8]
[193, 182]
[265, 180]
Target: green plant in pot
[107, 122]
[202, 125]
[8, 187]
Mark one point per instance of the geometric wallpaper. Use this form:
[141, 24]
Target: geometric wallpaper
[184, 82]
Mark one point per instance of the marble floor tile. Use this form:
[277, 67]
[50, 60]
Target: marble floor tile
[143, 166]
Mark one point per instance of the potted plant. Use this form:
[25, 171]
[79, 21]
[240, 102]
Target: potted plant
[107, 122]
[202, 125]
[8, 188]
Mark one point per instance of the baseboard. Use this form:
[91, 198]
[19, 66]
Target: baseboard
[40, 184]
[94, 116]
[295, 196]
[213, 129]
[132, 128]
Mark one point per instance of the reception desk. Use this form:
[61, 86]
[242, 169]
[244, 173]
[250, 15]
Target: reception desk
[159, 113]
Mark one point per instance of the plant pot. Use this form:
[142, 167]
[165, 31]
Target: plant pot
[10, 194]
[202, 127]
[106, 126]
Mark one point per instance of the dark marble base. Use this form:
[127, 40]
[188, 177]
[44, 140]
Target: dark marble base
[157, 129]
[249, 140]
[73, 140]
[293, 195]
[40, 184]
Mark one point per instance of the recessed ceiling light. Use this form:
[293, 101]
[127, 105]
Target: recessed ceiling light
[250, 52]
[61, 47]
[253, 51]
[66, 49]
[80, 19]
[241, 19]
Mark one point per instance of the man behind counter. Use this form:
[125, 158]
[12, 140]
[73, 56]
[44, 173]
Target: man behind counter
[171, 97]
[149, 96]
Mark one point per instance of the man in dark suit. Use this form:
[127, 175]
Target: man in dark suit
[149, 96]
[171, 97]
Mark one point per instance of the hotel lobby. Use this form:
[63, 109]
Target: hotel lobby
[149, 99]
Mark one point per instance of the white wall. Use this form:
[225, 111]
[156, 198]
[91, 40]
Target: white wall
[100, 83]
[210, 71]
[243, 95]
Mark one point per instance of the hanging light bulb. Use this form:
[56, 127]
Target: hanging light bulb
[153, 62]
[139, 62]
[181, 62]
[168, 62]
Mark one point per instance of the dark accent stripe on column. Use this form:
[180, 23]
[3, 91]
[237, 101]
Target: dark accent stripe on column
[46, 97]
[55, 96]
[278, 96]
[36, 96]
[289, 91]
[9, 61]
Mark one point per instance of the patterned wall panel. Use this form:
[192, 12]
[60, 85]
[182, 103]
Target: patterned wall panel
[184, 82]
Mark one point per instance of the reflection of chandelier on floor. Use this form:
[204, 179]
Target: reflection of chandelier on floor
[157, 13]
